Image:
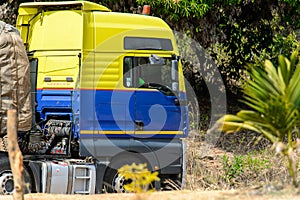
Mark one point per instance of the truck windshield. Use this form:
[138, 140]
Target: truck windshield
[141, 72]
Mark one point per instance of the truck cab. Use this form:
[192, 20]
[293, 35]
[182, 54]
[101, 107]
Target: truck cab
[105, 86]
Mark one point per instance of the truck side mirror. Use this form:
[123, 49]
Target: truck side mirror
[174, 70]
[175, 86]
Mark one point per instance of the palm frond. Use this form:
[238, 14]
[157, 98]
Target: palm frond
[274, 95]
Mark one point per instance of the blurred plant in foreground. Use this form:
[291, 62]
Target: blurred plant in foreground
[139, 178]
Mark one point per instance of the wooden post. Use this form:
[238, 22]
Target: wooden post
[15, 155]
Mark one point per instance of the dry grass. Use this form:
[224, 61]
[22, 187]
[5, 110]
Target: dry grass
[246, 166]
[236, 161]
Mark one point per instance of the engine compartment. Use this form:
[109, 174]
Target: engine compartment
[54, 139]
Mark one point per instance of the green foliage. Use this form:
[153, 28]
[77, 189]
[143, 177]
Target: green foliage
[256, 165]
[178, 9]
[140, 177]
[273, 95]
[232, 169]
[239, 165]
[284, 42]
[254, 32]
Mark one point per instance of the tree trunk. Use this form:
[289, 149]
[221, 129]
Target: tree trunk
[15, 155]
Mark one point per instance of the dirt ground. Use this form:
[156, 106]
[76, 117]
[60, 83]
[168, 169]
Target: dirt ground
[173, 195]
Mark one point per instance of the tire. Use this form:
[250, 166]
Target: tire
[6, 178]
[113, 183]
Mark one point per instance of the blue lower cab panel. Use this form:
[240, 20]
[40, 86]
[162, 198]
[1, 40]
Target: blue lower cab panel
[121, 113]
[116, 113]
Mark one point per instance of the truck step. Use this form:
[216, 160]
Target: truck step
[82, 192]
[82, 177]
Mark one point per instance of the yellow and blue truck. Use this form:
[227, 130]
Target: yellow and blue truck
[107, 90]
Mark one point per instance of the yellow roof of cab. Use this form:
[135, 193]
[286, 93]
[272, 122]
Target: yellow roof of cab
[85, 5]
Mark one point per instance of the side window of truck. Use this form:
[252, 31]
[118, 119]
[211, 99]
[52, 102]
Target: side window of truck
[132, 76]
[133, 72]
[128, 72]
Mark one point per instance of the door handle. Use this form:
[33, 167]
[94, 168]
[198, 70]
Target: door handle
[138, 125]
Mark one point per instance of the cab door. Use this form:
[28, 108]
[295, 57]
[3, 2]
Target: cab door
[156, 110]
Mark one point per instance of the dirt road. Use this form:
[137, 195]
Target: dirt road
[174, 195]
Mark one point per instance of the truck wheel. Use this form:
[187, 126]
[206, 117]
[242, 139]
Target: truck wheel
[7, 181]
[113, 182]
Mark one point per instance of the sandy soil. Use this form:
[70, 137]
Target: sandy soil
[173, 195]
